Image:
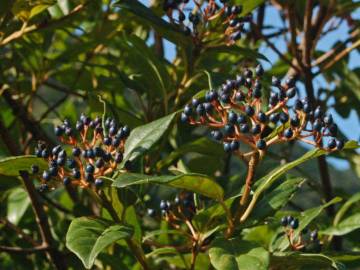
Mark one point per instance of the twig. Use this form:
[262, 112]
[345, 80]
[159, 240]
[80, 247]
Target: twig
[28, 29]
[55, 204]
[41, 219]
[341, 55]
[306, 46]
[13, 146]
[19, 231]
[22, 114]
[41, 248]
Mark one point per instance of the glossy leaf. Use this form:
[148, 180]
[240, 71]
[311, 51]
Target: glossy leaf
[203, 146]
[87, 237]
[295, 260]
[274, 200]
[12, 165]
[236, 254]
[197, 183]
[144, 137]
[17, 203]
[147, 16]
[346, 226]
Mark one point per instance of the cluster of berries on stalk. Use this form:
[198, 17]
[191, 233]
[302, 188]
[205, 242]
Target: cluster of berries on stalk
[305, 241]
[87, 152]
[239, 115]
[227, 17]
[180, 209]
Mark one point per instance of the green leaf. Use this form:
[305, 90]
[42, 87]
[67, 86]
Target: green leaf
[305, 219]
[148, 17]
[87, 237]
[249, 5]
[203, 146]
[236, 50]
[295, 260]
[12, 165]
[236, 254]
[17, 203]
[274, 200]
[144, 137]
[197, 183]
[265, 182]
[346, 226]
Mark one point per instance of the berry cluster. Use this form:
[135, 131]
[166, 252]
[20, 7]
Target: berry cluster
[95, 151]
[182, 208]
[305, 241]
[238, 114]
[231, 23]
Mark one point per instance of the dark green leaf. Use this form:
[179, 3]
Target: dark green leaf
[236, 254]
[294, 260]
[12, 165]
[87, 237]
[197, 183]
[17, 203]
[147, 16]
[346, 226]
[274, 200]
[144, 137]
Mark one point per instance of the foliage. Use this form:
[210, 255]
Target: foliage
[169, 195]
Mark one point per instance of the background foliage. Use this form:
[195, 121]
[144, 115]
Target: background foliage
[57, 57]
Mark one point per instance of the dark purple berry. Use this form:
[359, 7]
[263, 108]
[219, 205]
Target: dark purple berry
[256, 129]
[76, 151]
[35, 169]
[262, 117]
[89, 177]
[275, 81]
[339, 144]
[284, 117]
[53, 171]
[294, 224]
[241, 119]
[261, 144]
[249, 110]
[71, 163]
[232, 117]
[76, 173]
[118, 157]
[234, 145]
[284, 221]
[229, 129]
[217, 135]
[184, 118]
[66, 181]
[46, 175]
[187, 110]
[244, 128]
[332, 143]
[227, 147]
[45, 153]
[288, 133]
[99, 183]
[58, 131]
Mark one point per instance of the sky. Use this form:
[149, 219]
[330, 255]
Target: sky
[349, 126]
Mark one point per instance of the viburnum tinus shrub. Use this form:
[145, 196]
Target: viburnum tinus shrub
[87, 151]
